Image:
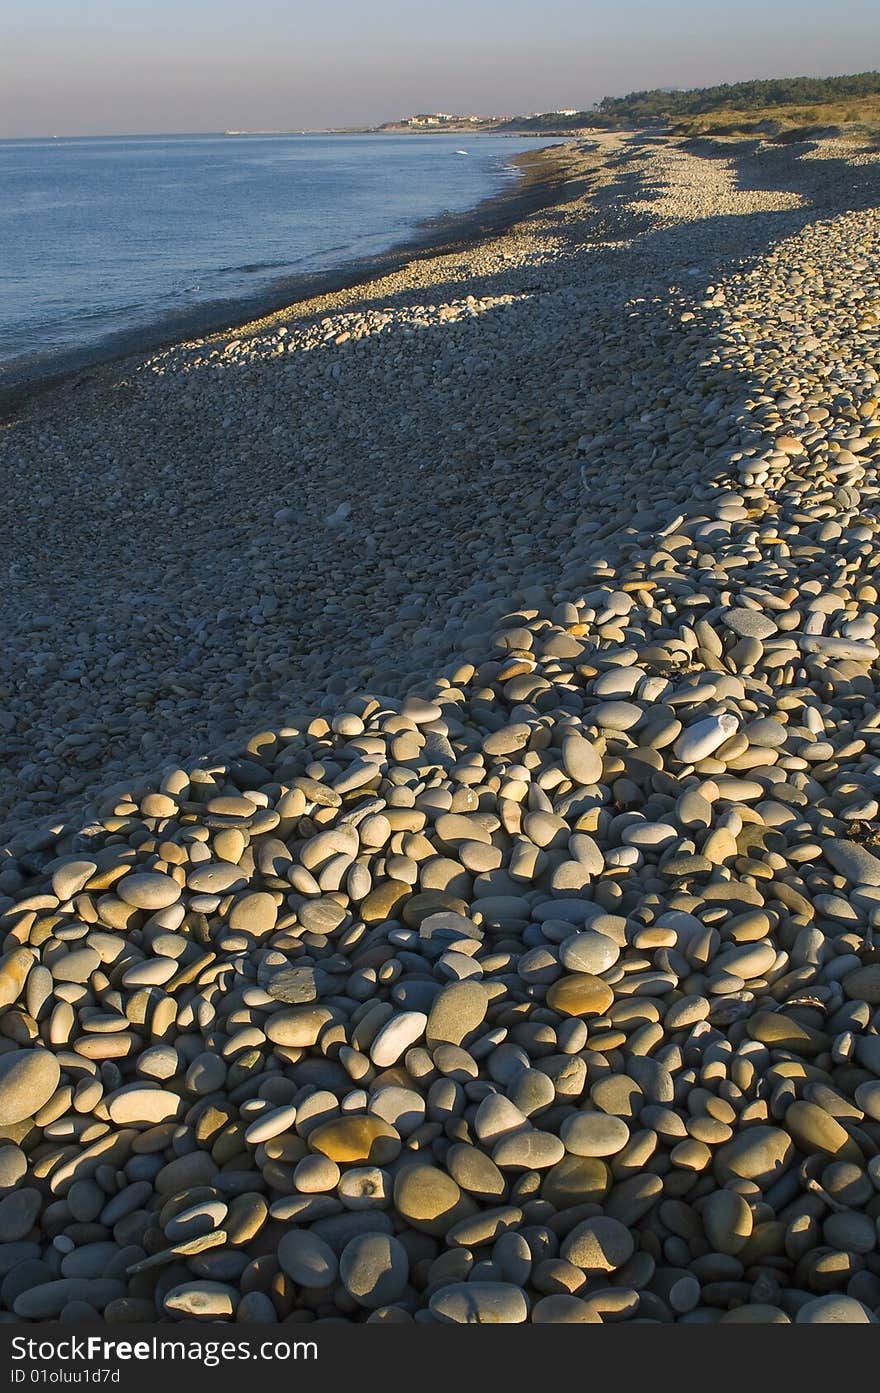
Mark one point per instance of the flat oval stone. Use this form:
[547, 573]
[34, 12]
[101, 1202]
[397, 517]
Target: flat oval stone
[815, 1130]
[562, 1309]
[455, 828]
[528, 1150]
[270, 1124]
[867, 1096]
[834, 1309]
[581, 760]
[496, 1115]
[760, 1153]
[255, 913]
[428, 1198]
[598, 1245]
[201, 1300]
[196, 1221]
[588, 952]
[374, 1269]
[457, 1011]
[746, 960]
[775, 1028]
[727, 1220]
[576, 1180]
[148, 890]
[214, 877]
[479, 1303]
[28, 1078]
[701, 739]
[853, 862]
[71, 877]
[384, 900]
[617, 715]
[296, 985]
[348, 1139]
[140, 1103]
[307, 1259]
[581, 994]
[151, 973]
[864, 984]
[749, 623]
[14, 970]
[618, 1095]
[13, 1165]
[206, 1074]
[402, 1108]
[18, 1214]
[594, 1134]
[48, 1300]
[396, 1037]
[299, 1026]
[475, 1172]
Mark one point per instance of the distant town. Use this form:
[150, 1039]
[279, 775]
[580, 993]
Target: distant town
[564, 120]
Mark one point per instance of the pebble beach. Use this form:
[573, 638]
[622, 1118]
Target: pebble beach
[440, 808]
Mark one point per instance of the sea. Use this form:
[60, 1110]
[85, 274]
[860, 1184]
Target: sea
[108, 241]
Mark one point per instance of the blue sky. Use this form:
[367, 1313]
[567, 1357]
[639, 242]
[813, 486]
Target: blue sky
[106, 66]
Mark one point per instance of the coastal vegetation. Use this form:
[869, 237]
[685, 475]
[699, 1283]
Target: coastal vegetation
[662, 105]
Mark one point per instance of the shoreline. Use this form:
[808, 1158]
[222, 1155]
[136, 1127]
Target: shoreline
[140, 400]
[541, 183]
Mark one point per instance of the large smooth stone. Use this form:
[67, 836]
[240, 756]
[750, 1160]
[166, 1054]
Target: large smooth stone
[307, 1259]
[456, 1012]
[429, 1199]
[359, 1138]
[479, 1303]
[28, 1078]
[598, 1245]
[581, 994]
[758, 1153]
[374, 1268]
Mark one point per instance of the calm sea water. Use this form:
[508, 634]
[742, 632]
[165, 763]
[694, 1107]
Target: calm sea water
[101, 238]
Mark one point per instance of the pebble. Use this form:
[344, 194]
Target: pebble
[140, 1103]
[581, 760]
[853, 862]
[598, 1245]
[479, 1303]
[307, 1259]
[396, 1036]
[457, 1011]
[201, 1300]
[374, 1269]
[28, 1078]
[580, 994]
[149, 890]
[835, 1309]
[594, 1134]
[588, 952]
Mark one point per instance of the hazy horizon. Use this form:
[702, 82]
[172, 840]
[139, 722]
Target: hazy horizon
[204, 65]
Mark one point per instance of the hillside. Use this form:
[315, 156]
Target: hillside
[662, 105]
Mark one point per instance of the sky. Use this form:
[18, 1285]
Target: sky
[98, 67]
